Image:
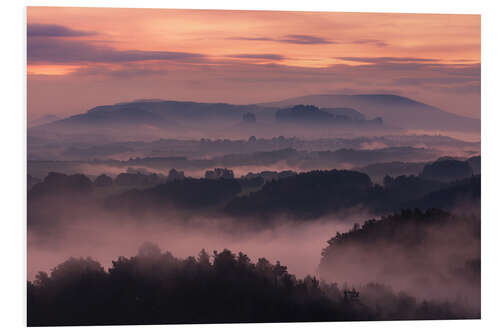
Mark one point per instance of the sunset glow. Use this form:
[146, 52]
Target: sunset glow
[224, 166]
[272, 55]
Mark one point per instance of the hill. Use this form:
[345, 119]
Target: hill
[395, 110]
[434, 254]
[310, 114]
[158, 113]
[154, 287]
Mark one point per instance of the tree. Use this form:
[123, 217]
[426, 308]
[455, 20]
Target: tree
[149, 250]
[204, 258]
[249, 117]
[103, 181]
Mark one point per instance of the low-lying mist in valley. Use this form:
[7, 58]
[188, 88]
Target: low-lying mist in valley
[431, 256]
[171, 184]
[416, 275]
[314, 199]
[435, 255]
[105, 239]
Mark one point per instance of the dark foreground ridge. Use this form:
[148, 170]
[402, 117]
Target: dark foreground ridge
[154, 287]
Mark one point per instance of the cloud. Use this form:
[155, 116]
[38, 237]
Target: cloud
[53, 50]
[384, 60]
[474, 88]
[369, 91]
[454, 84]
[445, 80]
[126, 71]
[54, 30]
[305, 39]
[245, 82]
[266, 56]
[252, 38]
[376, 42]
[291, 39]
[309, 39]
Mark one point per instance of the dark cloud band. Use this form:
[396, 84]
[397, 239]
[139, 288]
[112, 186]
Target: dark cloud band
[53, 50]
[54, 30]
[264, 56]
[291, 39]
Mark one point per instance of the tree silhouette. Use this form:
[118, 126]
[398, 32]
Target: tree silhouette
[154, 287]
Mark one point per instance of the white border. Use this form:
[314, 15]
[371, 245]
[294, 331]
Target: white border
[422, 6]
[13, 176]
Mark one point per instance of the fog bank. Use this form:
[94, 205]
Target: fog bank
[296, 246]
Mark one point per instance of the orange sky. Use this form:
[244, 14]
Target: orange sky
[81, 57]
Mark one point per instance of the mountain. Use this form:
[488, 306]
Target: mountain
[413, 252]
[146, 119]
[302, 114]
[48, 118]
[395, 110]
[158, 113]
[462, 195]
[377, 171]
[346, 112]
[150, 120]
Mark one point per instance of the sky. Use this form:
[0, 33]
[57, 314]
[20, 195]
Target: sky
[78, 58]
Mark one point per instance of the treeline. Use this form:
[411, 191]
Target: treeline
[304, 159]
[298, 197]
[431, 253]
[40, 153]
[317, 193]
[396, 228]
[189, 193]
[133, 178]
[445, 169]
[310, 114]
[306, 195]
[154, 287]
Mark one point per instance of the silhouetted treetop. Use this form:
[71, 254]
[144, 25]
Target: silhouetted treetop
[475, 164]
[186, 193]
[429, 253]
[249, 117]
[447, 170]
[156, 288]
[56, 184]
[306, 194]
[103, 181]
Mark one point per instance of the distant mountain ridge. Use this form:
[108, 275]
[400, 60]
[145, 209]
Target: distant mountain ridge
[157, 112]
[45, 119]
[395, 110]
[310, 114]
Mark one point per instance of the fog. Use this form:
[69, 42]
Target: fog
[296, 246]
[78, 218]
[433, 270]
[436, 262]
[459, 135]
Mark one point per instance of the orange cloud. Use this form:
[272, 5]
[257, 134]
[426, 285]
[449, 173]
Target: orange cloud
[256, 55]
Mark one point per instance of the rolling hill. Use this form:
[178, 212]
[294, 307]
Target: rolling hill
[395, 110]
